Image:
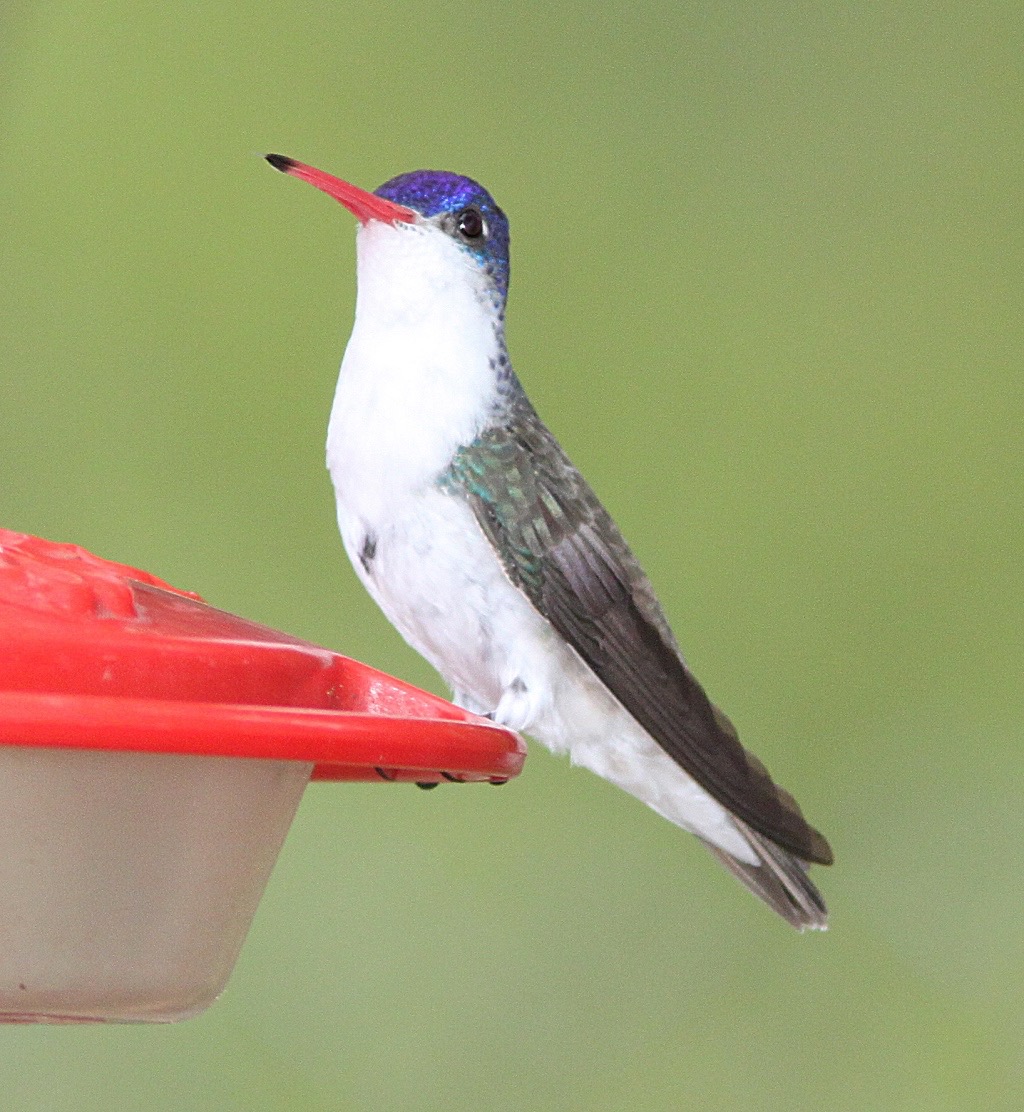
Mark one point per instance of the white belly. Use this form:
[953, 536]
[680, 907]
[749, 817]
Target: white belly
[436, 578]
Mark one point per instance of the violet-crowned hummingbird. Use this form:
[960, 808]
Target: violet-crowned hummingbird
[491, 555]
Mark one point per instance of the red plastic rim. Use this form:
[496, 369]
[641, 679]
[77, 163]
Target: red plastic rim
[344, 745]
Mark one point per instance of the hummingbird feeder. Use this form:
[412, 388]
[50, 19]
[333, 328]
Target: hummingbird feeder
[153, 752]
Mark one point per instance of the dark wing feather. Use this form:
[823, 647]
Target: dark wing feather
[560, 546]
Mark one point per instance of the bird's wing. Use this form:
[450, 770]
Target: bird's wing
[561, 548]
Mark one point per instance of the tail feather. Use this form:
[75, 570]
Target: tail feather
[780, 880]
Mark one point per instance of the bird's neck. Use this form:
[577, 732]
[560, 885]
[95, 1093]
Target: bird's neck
[422, 374]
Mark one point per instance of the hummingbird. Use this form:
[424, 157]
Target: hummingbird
[489, 552]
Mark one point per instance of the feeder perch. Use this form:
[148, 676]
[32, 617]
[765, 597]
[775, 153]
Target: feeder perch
[153, 752]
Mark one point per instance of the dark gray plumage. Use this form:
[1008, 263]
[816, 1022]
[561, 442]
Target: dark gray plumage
[560, 546]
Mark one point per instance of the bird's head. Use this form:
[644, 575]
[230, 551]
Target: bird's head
[431, 219]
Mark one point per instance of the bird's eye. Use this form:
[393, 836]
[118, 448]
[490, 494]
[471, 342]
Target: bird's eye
[470, 224]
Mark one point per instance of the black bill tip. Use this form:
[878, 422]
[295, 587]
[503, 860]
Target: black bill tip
[280, 162]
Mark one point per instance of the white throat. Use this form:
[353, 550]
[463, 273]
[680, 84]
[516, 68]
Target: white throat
[418, 378]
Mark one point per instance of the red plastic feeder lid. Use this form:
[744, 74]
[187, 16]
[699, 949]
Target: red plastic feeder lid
[97, 655]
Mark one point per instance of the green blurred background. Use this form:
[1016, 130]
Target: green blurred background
[766, 289]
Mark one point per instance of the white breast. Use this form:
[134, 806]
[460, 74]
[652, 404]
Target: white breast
[417, 380]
